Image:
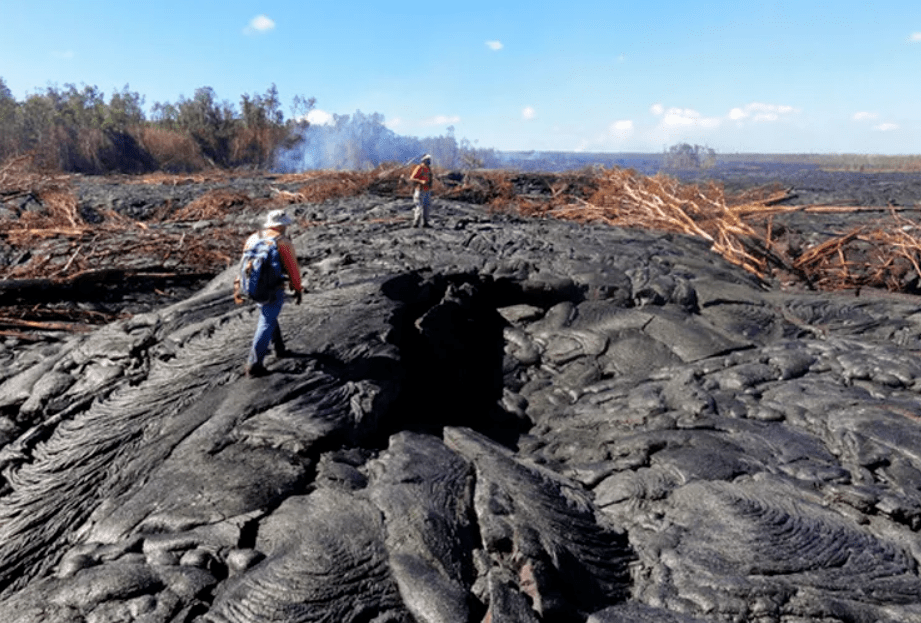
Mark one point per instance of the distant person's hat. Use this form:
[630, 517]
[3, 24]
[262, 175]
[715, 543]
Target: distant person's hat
[426, 158]
[277, 218]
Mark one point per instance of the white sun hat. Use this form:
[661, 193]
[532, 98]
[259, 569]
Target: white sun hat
[277, 218]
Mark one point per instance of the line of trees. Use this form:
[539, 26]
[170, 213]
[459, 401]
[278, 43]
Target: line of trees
[687, 156]
[80, 130]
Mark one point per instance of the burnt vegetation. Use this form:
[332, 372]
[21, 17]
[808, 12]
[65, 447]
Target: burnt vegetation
[80, 130]
[74, 129]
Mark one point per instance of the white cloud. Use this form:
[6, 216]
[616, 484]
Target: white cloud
[760, 112]
[319, 117]
[657, 109]
[393, 123]
[737, 114]
[442, 120]
[872, 116]
[528, 113]
[259, 24]
[915, 37]
[684, 117]
[495, 46]
[624, 126]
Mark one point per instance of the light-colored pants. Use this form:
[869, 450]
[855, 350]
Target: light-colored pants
[267, 329]
[422, 199]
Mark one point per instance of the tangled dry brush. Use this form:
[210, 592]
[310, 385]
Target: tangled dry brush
[65, 245]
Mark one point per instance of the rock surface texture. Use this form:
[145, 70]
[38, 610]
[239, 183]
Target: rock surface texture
[496, 419]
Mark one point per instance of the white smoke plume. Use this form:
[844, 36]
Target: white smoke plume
[361, 142]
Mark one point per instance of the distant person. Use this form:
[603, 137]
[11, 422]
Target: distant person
[422, 193]
[279, 262]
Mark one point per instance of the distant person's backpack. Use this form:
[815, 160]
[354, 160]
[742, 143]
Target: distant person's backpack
[260, 270]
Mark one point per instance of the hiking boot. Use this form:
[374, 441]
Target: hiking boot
[255, 370]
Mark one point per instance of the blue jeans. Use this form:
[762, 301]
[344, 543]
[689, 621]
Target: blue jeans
[267, 330]
[422, 199]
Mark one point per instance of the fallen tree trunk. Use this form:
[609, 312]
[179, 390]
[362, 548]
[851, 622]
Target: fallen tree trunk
[45, 326]
[87, 283]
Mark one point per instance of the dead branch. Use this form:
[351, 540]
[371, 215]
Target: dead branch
[44, 326]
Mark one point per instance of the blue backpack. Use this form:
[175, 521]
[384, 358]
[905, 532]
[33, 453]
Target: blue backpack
[260, 270]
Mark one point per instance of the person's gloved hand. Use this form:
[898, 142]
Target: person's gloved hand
[298, 294]
[237, 297]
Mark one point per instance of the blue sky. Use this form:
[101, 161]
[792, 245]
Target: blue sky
[766, 76]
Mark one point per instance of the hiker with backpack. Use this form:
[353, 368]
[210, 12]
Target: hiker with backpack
[268, 259]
